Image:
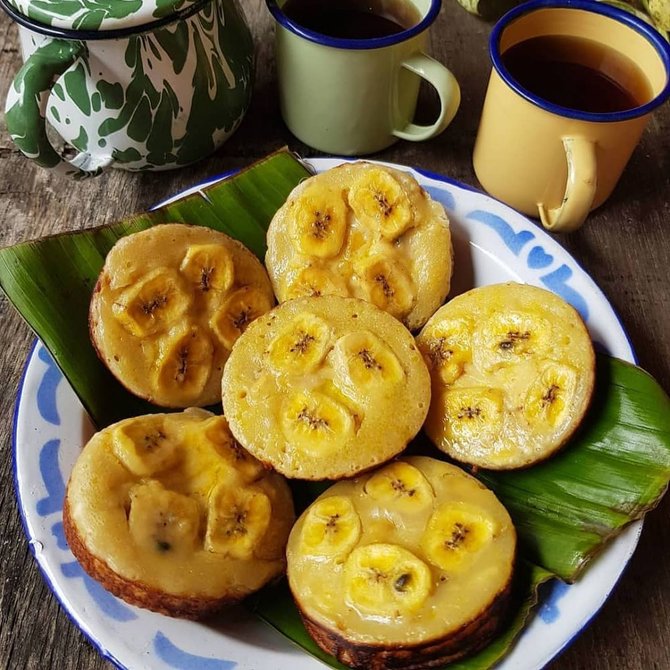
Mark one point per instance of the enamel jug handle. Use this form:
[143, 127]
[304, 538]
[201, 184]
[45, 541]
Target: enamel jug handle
[26, 106]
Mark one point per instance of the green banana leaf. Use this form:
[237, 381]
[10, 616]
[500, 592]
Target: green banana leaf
[565, 510]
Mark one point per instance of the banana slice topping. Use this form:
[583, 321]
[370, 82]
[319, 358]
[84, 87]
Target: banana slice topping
[152, 303]
[386, 580]
[320, 221]
[400, 486]
[364, 364]
[237, 521]
[456, 532]
[209, 267]
[146, 446]
[380, 202]
[386, 283]
[184, 364]
[332, 528]
[316, 423]
[302, 345]
[237, 312]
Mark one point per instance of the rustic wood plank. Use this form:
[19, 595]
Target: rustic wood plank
[625, 246]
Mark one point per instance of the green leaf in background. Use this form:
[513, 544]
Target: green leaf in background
[275, 606]
[50, 280]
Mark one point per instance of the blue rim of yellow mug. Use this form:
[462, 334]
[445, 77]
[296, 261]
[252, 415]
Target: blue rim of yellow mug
[89, 35]
[345, 43]
[646, 30]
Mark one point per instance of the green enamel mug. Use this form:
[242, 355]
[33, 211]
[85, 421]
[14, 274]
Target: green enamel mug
[353, 96]
[133, 84]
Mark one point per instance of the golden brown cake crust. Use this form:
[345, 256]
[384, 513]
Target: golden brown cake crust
[469, 639]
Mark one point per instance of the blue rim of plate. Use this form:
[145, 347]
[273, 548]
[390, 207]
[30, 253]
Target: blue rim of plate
[104, 652]
[354, 44]
[661, 46]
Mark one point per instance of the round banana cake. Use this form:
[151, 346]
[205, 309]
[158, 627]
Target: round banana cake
[168, 306]
[366, 231]
[409, 566]
[325, 387]
[513, 371]
[169, 512]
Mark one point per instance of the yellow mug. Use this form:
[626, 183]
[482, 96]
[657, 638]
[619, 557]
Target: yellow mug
[543, 157]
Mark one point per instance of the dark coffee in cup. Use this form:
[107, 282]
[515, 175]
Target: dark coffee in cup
[353, 19]
[578, 73]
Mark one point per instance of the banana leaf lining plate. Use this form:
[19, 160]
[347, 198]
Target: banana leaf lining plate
[492, 244]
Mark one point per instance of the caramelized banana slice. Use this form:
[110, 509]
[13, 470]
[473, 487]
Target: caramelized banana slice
[218, 433]
[312, 422]
[153, 303]
[209, 267]
[473, 414]
[237, 521]
[510, 336]
[331, 528]
[302, 345]
[387, 284]
[447, 347]
[386, 580]
[380, 202]
[455, 532]
[183, 366]
[400, 486]
[162, 521]
[319, 221]
[145, 446]
[364, 364]
[237, 312]
[316, 281]
[550, 396]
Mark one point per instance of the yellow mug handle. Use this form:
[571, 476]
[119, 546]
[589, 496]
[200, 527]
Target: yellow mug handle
[579, 190]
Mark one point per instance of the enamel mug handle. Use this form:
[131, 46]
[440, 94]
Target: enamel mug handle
[580, 188]
[447, 89]
[27, 101]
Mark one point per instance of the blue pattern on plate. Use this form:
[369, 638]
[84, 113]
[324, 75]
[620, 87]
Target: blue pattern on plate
[182, 660]
[108, 604]
[549, 611]
[556, 281]
[442, 196]
[52, 478]
[538, 259]
[46, 391]
[58, 532]
[514, 241]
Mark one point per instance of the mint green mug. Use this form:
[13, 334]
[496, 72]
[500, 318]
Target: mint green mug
[358, 96]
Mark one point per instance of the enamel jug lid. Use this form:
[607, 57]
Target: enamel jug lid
[102, 15]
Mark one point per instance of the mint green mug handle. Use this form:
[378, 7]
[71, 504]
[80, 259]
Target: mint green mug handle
[447, 89]
[27, 100]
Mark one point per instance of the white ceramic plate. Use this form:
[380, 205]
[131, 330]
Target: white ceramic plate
[492, 244]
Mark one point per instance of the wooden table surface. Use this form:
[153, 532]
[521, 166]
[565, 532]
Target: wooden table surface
[625, 246]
